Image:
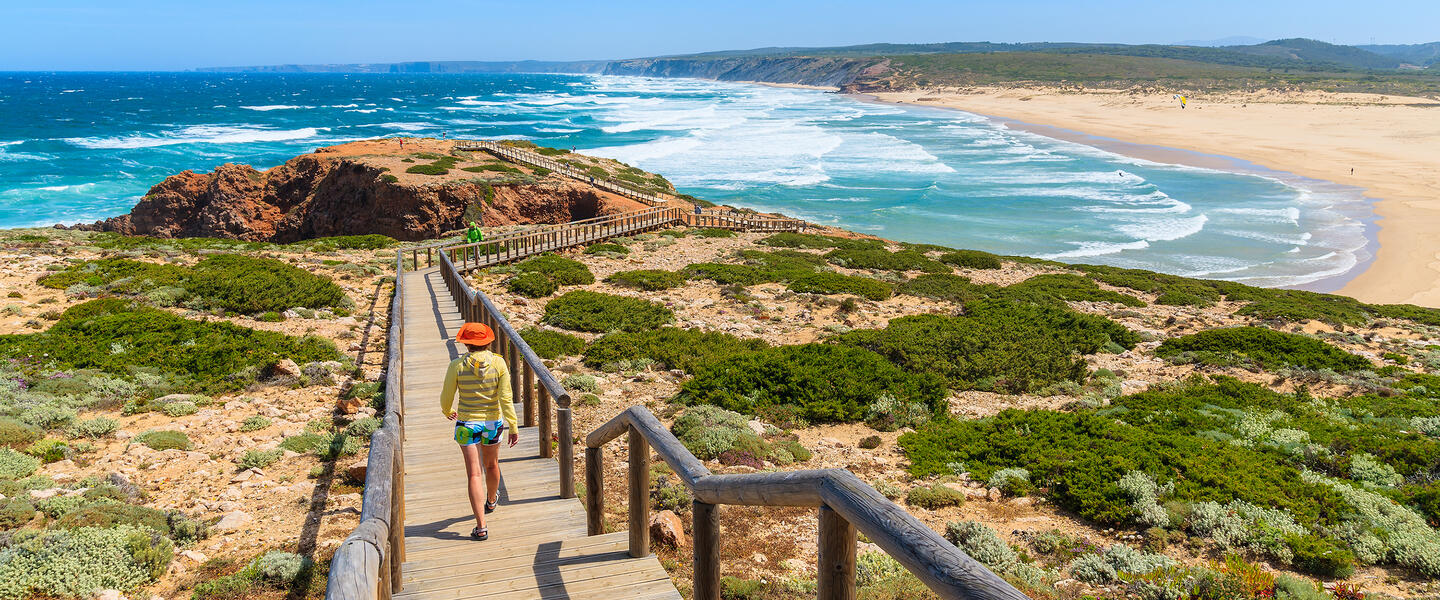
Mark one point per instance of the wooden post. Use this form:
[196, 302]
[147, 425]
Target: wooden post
[594, 490]
[567, 451]
[546, 451]
[707, 550]
[639, 495]
[527, 391]
[397, 516]
[836, 579]
[383, 582]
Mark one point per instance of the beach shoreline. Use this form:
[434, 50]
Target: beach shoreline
[1391, 142]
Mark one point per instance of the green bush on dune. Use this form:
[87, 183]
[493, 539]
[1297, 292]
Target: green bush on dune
[582, 310]
[810, 240]
[971, 259]
[684, 349]
[549, 344]
[531, 285]
[650, 280]
[1060, 287]
[728, 274]
[835, 283]
[563, 270]
[821, 382]
[885, 260]
[1267, 348]
[996, 344]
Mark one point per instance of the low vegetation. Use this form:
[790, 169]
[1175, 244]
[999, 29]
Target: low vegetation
[1265, 348]
[227, 282]
[596, 312]
[670, 347]
[649, 280]
[549, 344]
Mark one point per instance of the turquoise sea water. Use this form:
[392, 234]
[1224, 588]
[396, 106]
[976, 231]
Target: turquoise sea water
[81, 147]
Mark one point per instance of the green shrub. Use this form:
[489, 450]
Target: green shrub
[165, 440]
[971, 259]
[15, 512]
[48, 450]
[117, 275]
[305, 443]
[882, 259]
[592, 311]
[580, 382]
[607, 248]
[735, 588]
[709, 431]
[807, 240]
[650, 280]
[1172, 290]
[727, 274]
[934, 497]
[714, 232]
[112, 515]
[180, 409]
[254, 423]
[363, 428]
[835, 283]
[216, 357]
[995, 344]
[825, 383]
[948, 287]
[97, 427]
[684, 349]
[1057, 287]
[1290, 587]
[551, 344]
[427, 169]
[870, 442]
[259, 459]
[1321, 557]
[278, 566]
[783, 265]
[1266, 347]
[889, 413]
[563, 270]
[532, 285]
[79, 562]
[16, 465]
[48, 417]
[250, 285]
[14, 434]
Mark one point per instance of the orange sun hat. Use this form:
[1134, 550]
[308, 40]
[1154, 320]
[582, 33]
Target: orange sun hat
[475, 334]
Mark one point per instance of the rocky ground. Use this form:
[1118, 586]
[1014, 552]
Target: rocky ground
[780, 544]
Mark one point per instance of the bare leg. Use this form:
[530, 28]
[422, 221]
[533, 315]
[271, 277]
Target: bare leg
[473, 474]
[491, 456]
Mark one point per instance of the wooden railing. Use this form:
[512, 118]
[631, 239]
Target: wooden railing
[530, 380]
[367, 563]
[536, 159]
[845, 504]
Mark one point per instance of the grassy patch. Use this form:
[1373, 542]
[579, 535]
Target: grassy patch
[885, 260]
[228, 281]
[835, 283]
[607, 248]
[971, 259]
[563, 270]
[810, 240]
[1059, 287]
[531, 285]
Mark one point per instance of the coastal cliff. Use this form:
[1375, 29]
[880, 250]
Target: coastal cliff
[361, 188]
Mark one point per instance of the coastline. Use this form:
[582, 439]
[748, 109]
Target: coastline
[1392, 143]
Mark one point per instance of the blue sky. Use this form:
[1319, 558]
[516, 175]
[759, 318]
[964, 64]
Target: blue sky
[171, 34]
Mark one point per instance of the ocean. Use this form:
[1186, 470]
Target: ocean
[78, 147]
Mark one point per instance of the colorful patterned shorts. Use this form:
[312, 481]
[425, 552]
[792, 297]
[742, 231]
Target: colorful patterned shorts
[469, 433]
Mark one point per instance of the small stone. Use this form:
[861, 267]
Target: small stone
[286, 368]
[247, 475]
[193, 556]
[356, 470]
[124, 435]
[993, 494]
[759, 558]
[667, 529]
[756, 427]
[234, 520]
[349, 406]
[47, 493]
[109, 595]
[795, 565]
[1022, 501]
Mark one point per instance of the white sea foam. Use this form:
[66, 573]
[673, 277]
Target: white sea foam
[1088, 249]
[406, 126]
[1164, 230]
[198, 134]
[270, 107]
[1289, 214]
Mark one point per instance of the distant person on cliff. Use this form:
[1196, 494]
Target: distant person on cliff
[485, 413]
[473, 235]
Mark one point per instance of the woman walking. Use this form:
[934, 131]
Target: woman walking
[485, 413]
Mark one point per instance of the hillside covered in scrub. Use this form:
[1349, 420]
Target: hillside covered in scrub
[1082, 430]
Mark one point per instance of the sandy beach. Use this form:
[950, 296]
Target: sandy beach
[1391, 143]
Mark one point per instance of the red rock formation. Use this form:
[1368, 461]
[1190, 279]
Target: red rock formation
[320, 195]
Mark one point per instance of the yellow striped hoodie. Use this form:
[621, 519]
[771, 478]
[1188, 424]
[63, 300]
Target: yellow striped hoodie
[483, 381]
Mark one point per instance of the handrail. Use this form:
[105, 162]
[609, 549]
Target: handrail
[519, 155]
[530, 380]
[367, 564]
[845, 503]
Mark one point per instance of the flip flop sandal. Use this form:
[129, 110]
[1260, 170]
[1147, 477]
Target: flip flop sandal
[490, 506]
[479, 534]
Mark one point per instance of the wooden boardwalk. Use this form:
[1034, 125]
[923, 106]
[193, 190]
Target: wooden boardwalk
[537, 547]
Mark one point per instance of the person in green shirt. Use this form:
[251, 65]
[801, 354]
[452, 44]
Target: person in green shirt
[473, 235]
[485, 412]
